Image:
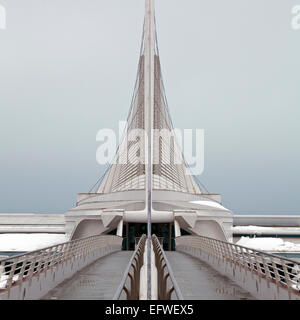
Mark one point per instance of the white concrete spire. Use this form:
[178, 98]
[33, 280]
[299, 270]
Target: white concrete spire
[154, 170]
[149, 51]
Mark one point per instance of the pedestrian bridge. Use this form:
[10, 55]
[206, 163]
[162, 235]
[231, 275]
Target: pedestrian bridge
[96, 268]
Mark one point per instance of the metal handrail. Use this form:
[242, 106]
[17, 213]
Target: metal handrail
[285, 273]
[164, 272]
[132, 271]
[22, 267]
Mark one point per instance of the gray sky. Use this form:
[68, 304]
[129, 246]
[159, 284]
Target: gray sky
[67, 69]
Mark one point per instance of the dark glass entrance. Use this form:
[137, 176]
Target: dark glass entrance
[133, 231]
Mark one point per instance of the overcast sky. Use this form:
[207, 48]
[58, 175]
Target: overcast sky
[67, 69]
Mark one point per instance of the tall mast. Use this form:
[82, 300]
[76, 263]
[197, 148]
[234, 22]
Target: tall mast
[149, 49]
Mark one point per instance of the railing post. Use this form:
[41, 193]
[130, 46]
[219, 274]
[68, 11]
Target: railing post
[243, 259]
[277, 277]
[40, 257]
[267, 270]
[11, 273]
[23, 268]
[250, 260]
[287, 277]
[257, 259]
[32, 266]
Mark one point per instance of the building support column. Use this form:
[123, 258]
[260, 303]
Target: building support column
[120, 228]
[177, 229]
[170, 237]
[127, 236]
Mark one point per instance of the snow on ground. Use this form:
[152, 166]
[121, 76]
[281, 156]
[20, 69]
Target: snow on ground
[259, 229]
[269, 244]
[29, 241]
[252, 228]
[4, 278]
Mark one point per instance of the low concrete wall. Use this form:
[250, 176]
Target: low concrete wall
[267, 220]
[258, 286]
[39, 285]
[32, 223]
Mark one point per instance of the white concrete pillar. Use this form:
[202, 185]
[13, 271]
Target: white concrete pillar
[120, 228]
[177, 229]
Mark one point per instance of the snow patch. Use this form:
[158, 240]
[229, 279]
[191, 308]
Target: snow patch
[4, 278]
[259, 229]
[29, 241]
[269, 244]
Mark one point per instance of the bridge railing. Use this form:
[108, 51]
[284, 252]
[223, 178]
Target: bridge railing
[283, 272]
[20, 268]
[166, 282]
[130, 283]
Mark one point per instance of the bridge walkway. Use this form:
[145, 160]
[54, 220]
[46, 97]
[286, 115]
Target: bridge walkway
[198, 281]
[98, 281]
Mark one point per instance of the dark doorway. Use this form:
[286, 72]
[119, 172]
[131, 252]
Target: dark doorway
[166, 234]
[133, 231]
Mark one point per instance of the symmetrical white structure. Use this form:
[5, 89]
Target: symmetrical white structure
[149, 172]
